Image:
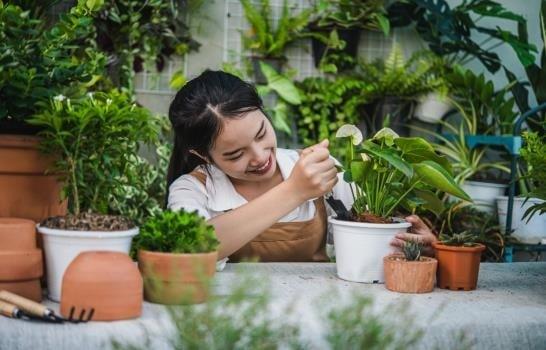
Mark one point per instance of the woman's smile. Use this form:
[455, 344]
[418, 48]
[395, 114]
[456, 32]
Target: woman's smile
[264, 168]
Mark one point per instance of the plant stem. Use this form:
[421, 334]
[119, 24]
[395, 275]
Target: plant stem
[402, 197]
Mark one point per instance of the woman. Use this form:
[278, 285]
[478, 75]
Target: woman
[263, 201]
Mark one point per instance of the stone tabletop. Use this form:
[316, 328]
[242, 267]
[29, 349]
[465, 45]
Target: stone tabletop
[506, 311]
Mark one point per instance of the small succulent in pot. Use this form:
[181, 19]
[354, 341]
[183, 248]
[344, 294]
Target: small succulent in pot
[412, 250]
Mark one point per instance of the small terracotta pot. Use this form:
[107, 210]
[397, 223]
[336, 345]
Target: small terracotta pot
[458, 267]
[17, 234]
[409, 276]
[108, 282]
[176, 278]
[28, 289]
[20, 265]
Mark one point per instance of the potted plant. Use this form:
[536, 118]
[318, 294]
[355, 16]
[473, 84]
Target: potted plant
[394, 85]
[337, 25]
[458, 258]
[177, 253]
[410, 272]
[36, 63]
[93, 138]
[389, 173]
[528, 219]
[266, 43]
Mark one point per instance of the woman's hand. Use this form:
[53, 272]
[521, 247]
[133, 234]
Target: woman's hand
[314, 173]
[420, 232]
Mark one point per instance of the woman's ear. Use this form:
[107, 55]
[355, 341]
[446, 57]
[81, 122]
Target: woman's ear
[198, 155]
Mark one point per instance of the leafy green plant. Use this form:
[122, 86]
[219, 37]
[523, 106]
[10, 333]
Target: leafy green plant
[136, 35]
[176, 232]
[412, 250]
[327, 104]
[93, 139]
[396, 76]
[271, 42]
[391, 172]
[449, 31]
[361, 14]
[37, 62]
[534, 154]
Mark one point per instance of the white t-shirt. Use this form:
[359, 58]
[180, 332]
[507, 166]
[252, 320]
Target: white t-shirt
[218, 195]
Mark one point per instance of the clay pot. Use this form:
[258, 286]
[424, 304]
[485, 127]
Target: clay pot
[20, 265]
[458, 267]
[17, 234]
[176, 278]
[107, 281]
[27, 191]
[30, 289]
[409, 276]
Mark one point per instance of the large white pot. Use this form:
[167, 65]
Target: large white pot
[484, 194]
[431, 108]
[360, 248]
[532, 232]
[63, 246]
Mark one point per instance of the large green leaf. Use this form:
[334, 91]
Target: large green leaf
[417, 149]
[436, 176]
[431, 201]
[359, 169]
[390, 156]
[281, 85]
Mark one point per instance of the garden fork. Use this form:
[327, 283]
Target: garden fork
[36, 310]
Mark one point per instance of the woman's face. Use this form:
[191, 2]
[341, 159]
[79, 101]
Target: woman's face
[245, 148]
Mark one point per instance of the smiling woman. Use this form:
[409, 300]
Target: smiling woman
[264, 202]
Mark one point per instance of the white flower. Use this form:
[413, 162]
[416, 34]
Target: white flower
[349, 130]
[108, 101]
[59, 98]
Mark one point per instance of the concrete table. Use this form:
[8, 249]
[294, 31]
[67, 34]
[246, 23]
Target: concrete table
[507, 311]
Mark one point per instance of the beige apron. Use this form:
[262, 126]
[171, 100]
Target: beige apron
[286, 241]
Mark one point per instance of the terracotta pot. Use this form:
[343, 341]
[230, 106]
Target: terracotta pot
[27, 191]
[107, 281]
[176, 278]
[28, 289]
[20, 265]
[458, 267]
[17, 234]
[409, 276]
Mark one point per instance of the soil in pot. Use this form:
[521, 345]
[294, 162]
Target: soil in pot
[409, 276]
[174, 279]
[458, 267]
[89, 222]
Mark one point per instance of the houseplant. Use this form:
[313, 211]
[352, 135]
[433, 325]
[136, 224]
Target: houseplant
[93, 138]
[177, 253]
[410, 272]
[338, 25]
[267, 43]
[458, 258]
[394, 86]
[390, 173]
[36, 63]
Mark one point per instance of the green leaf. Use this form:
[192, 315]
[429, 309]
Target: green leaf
[178, 80]
[390, 156]
[417, 149]
[281, 85]
[433, 174]
[359, 170]
[431, 201]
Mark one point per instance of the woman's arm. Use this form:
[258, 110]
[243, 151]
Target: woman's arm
[313, 175]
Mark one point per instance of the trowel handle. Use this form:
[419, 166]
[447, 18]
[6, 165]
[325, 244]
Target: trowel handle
[9, 310]
[24, 304]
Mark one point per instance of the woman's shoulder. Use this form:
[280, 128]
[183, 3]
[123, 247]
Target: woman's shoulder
[197, 178]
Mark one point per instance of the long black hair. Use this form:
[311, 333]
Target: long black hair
[196, 112]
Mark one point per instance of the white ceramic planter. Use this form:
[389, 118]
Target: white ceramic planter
[63, 246]
[431, 108]
[484, 194]
[532, 232]
[360, 248]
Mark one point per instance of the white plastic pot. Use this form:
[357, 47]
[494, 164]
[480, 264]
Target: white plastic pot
[431, 108]
[532, 232]
[63, 246]
[360, 248]
[484, 194]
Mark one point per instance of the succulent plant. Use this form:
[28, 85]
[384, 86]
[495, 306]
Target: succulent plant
[463, 239]
[412, 250]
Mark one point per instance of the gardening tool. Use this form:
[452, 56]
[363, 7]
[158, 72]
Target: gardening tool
[32, 309]
[338, 207]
